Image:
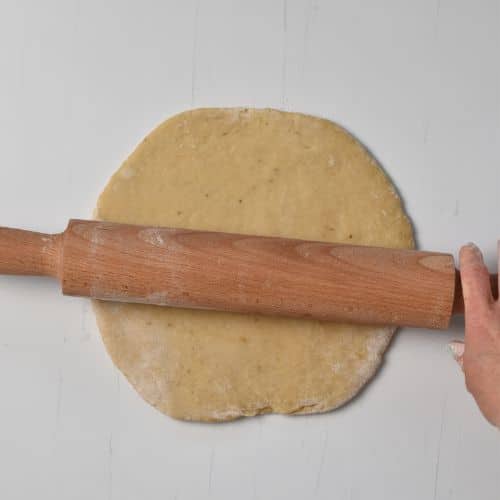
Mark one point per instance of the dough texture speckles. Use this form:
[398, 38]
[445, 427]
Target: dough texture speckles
[261, 172]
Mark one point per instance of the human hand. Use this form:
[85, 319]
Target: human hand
[479, 356]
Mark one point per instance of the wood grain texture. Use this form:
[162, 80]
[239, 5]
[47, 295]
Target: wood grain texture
[241, 273]
[28, 252]
[250, 274]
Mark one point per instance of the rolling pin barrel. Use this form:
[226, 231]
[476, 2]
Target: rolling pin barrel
[249, 274]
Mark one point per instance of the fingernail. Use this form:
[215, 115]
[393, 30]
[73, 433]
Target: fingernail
[476, 250]
[457, 348]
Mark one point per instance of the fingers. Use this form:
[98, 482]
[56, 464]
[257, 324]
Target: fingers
[481, 356]
[475, 280]
[457, 349]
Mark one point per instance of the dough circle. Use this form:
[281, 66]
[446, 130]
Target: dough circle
[257, 172]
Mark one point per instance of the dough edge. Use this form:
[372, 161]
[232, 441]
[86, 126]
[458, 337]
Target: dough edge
[378, 345]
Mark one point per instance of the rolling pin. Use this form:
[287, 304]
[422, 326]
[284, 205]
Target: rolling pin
[241, 273]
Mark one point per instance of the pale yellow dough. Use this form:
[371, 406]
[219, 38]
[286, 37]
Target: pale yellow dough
[261, 172]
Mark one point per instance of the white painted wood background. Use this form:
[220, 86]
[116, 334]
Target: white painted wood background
[81, 82]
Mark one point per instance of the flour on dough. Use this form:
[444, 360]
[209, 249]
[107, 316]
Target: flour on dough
[260, 172]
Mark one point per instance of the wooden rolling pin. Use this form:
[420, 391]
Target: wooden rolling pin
[239, 273]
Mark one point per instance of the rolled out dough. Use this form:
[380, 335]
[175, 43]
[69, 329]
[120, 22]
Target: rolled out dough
[258, 172]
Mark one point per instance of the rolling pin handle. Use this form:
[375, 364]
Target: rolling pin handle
[29, 253]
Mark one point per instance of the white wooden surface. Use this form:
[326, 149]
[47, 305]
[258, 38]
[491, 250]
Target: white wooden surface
[81, 82]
